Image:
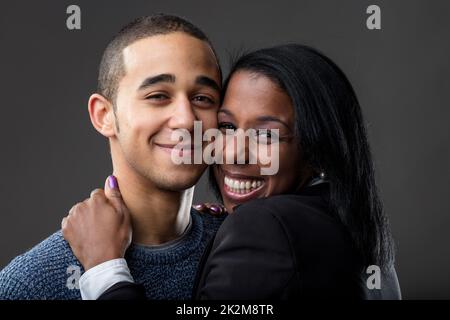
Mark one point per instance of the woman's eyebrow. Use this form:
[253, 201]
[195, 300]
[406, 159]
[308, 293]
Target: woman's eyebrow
[272, 119]
[226, 111]
[259, 119]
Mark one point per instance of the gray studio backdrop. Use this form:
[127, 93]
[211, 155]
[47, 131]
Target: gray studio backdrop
[51, 157]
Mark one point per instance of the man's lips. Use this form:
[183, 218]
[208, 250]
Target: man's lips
[171, 146]
[181, 148]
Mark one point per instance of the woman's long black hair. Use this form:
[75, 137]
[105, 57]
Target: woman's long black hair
[329, 126]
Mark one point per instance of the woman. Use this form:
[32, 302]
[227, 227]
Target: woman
[315, 227]
[328, 226]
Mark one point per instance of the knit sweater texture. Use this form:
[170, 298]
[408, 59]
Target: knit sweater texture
[50, 271]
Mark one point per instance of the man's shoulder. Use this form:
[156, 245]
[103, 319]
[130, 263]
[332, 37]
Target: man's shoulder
[49, 270]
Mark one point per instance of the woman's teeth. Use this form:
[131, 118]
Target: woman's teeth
[242, 186]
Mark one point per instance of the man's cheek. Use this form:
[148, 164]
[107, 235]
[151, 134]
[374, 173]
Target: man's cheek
[208, 119]
[209, 124]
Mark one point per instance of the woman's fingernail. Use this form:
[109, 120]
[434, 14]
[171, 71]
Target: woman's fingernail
[214, 209]
[112, 182]
[199, 206]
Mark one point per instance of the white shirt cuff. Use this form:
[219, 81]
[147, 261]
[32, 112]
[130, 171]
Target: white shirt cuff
[94, 282]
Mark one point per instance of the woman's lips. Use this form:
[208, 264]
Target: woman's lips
[242, 189]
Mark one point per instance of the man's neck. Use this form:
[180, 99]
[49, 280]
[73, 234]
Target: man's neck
[157, 216]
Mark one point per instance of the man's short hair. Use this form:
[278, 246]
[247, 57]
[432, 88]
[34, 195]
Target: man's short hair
[112, 67]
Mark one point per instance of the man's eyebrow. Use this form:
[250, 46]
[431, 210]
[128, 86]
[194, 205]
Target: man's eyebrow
[206, 81]
[165, 77]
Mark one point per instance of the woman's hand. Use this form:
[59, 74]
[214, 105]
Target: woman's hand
[215, 209]
[99, 228]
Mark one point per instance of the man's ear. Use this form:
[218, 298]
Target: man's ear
[102, 115]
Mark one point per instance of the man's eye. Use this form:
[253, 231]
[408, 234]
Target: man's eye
[225, 126]
[203, 100]
[157, 97]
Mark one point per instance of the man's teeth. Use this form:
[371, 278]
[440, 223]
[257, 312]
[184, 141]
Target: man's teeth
[242, 186]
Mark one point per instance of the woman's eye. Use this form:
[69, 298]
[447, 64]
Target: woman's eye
[224, 127]
[266, 136]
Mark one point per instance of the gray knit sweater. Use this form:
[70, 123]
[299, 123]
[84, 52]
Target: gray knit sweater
[51, 271]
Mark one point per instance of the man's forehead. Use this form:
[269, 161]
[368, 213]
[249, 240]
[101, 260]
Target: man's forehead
[154, 55]
[170, 49]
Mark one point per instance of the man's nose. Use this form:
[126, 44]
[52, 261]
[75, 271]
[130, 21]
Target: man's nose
[183, 115]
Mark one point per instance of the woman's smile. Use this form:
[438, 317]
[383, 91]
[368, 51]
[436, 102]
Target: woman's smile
[241, 187]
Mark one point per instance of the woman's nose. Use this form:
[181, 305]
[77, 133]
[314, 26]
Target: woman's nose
[237, 148]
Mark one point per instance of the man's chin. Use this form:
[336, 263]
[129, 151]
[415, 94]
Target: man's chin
[179, 178]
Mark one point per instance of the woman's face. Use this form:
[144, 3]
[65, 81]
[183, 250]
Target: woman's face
[253, 101]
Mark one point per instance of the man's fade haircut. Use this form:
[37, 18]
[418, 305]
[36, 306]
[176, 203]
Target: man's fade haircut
[112, 67]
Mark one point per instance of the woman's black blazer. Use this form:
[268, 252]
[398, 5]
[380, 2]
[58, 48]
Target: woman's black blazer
[287, 247]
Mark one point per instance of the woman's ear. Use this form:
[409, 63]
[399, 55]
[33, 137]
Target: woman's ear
[102, 115]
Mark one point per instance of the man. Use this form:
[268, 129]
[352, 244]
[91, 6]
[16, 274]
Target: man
[159, 74]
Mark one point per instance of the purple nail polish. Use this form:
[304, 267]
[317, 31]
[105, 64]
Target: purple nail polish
[214, 209]
[199, 206]
[112, 182]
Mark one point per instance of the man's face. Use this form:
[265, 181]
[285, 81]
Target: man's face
[170, 81]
